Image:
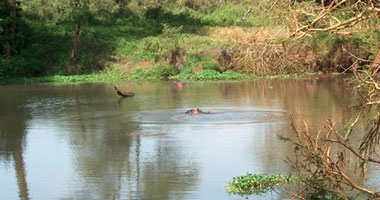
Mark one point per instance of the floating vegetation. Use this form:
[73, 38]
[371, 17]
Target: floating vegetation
[257, 183]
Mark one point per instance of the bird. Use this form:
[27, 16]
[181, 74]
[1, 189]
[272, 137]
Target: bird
[122, 94]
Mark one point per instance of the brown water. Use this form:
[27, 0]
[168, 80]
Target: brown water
[80, 141]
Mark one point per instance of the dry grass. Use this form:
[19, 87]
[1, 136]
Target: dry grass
[270, 58]
[247, 35]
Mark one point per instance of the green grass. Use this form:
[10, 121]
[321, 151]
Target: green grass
[156, 73]
[209, 75]
[150, 34]
[65, 78]
[119, 44]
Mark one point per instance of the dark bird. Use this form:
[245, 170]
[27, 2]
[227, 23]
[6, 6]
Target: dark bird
[124, 94]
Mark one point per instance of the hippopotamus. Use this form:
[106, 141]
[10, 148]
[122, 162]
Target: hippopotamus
[196, 111]
[179, 84]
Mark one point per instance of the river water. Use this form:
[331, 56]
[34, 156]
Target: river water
[81, 141]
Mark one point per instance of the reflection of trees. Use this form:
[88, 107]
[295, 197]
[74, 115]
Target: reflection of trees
[113, 162]
[12, 133]
[314, 99]
[101, 142]
[108, 153]
[165, 175]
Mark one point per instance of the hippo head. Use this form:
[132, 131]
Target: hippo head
[179, 84]
[194, 111]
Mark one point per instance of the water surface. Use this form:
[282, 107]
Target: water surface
[80, 141]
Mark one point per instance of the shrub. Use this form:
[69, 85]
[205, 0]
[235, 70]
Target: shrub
[158, 72]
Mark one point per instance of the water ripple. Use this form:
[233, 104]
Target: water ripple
[216, 116]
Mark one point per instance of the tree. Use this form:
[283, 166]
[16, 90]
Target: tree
[10, 23]
[77, 12]
[325, 158]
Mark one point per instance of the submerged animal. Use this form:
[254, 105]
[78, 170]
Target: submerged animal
[196, 111]
[124, 94]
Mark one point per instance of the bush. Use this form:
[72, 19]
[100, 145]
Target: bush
[199, 62]
[159, 72]
[20, 66]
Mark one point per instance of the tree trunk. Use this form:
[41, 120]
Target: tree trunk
[76, 41]
[8, 46]
[12, 3]
[8, 50]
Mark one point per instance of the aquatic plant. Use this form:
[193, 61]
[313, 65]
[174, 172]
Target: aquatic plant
[257, 183]
[209, 74]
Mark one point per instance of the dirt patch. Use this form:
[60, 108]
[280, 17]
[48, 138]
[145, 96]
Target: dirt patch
[145, 64]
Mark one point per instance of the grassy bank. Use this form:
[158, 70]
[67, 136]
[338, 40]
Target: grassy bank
[64, 79]
[207, 75]
[185, 41]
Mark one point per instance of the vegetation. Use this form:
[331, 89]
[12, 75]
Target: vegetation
[201, 40]
[65, 79]
[257, 183]
[162, 39]
[325, 160]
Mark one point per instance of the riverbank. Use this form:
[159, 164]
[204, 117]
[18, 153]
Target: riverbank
[104, 77]
[185, 43]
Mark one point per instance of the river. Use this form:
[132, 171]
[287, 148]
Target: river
[81, 141]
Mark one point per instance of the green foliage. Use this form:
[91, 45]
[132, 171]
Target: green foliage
[13, 29]
[125, 29]
[65, 79]
[173, 33]
[159, 72]
[59, 10]
[14, 37]
[201, 61]
[257, 183]
[321, 40]
[324, 195]
[231, 75]
[229, 15]
[19, 65]
[209, 74]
